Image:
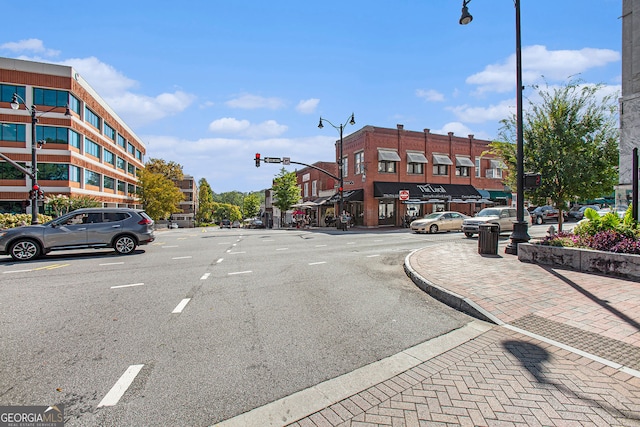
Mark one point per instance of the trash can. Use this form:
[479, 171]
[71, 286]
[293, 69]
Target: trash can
[488, 239]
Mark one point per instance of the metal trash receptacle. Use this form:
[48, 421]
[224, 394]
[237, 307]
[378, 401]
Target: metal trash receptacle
[488, 239]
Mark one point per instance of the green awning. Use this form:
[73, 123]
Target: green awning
[499, 195]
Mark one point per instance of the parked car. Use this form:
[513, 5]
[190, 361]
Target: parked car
[172, 225]
[235, 224]
[256, 223]
[225, 223]
[577, 215]
[503, 216]
[438, 221]
[122, 229]
[542, 214]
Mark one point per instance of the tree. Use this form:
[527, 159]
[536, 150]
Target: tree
[286, 191]
[230, 197]
[226, 211]
[159, 195]
[205, 202]
[571, 138]
[251, 205]
[61, 203]
[171, 170]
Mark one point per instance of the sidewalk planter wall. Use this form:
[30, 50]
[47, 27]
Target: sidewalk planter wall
[585, 260]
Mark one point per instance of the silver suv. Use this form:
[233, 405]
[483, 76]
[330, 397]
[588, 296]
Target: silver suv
[119, 228]
[503, 216]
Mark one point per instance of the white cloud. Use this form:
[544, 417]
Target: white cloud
[307, 106]
[230, 125]
[29, 45]
[104, 78]
[140, 110]
[461, 130]
[497, 112]
[537, 61]
[430, 95]
[250, 102]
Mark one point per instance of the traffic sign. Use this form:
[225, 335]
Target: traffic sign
[286, 161]
[272, 160]
[404, 195]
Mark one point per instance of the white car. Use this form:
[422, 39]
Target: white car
[502, 216]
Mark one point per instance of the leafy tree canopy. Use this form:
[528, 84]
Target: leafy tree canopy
[205, 202]
[159, 195]
[286, 190]
[170, 170]
[570, 138]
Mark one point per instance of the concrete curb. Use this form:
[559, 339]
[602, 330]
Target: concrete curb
[447, 297]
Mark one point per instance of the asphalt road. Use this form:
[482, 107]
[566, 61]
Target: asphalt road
[205, 324]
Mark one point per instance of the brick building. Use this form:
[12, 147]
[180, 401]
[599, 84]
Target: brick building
[440, 172]
[91, 153]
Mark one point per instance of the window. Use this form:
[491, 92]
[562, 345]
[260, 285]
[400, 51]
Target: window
[131, 149]
[121, 141]
[109, 157]
[50, 97]
[121, 163]
[91, 178]
[109, 183]
[74, 173]
[74, 139]
[7, 171]
[477, 165]
[314, 188]
[122, 186]
[463, 164]
[12, 132]
[7, 91]
[53, 171]
[495, 170]
[139, 155]
[306, 190]
[131, 189]
[387, 161]
[415, 162]
[92, 148]
[74, 104]
[131, 169]
[52, 135]
[345, 167]
[359, 163]
[92, 118]
[109, 132]
[441, 163]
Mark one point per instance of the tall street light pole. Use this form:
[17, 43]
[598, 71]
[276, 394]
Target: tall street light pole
[35, 188]
[351, 121]
[519, 234]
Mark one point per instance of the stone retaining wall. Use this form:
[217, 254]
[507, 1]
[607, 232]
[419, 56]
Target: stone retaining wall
[586, 260]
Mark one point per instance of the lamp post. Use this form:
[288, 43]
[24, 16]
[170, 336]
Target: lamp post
[519, 234]
[351, 121]
[35, 188]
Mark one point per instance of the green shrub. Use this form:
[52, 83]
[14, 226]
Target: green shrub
[17, 220]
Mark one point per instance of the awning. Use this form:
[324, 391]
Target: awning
[321, 200]
[426, 191]
[497, 164]
[388, 156]
[485, 194]
[441, 159]
[499, 195]
[464, 161]
[416, 158]
[348, 196]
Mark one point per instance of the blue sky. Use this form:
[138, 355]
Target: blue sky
[207, 84]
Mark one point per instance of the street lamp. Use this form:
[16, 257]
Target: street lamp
[519, 234]
[35, 188]
[351, 121]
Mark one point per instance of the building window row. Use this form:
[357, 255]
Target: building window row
[12, 132]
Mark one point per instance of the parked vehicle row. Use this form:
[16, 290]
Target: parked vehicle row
[503, 216]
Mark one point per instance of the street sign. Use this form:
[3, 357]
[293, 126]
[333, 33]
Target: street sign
[404, 195]
[286, 161]
[272, 160]
[347, 182]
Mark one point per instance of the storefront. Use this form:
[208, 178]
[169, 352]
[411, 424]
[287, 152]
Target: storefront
[352, 203]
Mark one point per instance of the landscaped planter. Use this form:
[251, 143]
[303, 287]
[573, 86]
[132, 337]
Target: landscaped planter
[586, 260]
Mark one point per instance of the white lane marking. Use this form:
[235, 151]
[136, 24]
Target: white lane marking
[205, 276]
[238, 252]
[126, 286]
[234, 245]
[317, 263]
[240, 272]
[181, 306]
[121, 386]
[219, 260]
[373, 256]
[113, 263]
[15, 271]
[320, 246]
[170, 246]
[181, 238]
[378, 240]
[268, 240]
[351, 243]
[223, 243]
[182, 257]
[282, 249]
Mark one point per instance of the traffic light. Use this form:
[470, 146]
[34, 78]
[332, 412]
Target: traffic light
[532, 180]
[40, 194]
[257, 160]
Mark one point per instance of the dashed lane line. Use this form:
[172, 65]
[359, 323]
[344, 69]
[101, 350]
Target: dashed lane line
[317, 263]
[127, 286]
[205, 276]
[181, 306]
[121, 386]
[239, 272]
